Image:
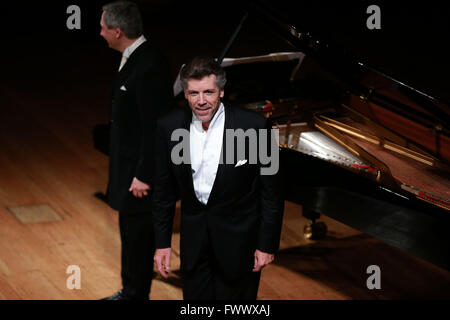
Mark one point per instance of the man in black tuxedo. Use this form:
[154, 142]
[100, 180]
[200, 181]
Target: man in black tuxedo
[142, 92]
[231, 211]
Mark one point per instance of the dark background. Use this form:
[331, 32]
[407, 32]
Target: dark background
[39, 50]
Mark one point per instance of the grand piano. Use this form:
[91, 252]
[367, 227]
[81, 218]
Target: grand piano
[359, 142]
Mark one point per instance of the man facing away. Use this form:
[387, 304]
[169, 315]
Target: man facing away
[141, 93]
[230, 213]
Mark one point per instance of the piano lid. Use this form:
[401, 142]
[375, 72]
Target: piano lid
[405, 61]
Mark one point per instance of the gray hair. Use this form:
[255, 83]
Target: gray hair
[201, 67]
[124, 15]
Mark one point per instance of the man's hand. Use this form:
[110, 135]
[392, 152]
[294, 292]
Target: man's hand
[262, 259]
[139, 188]
[162, 260]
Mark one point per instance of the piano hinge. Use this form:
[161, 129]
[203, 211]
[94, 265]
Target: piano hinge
[295, 33]
[365, 97]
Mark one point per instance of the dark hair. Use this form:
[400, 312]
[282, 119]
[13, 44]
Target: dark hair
[124, 15]
[200, 67]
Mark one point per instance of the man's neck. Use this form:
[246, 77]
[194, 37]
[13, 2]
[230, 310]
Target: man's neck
[126, 43]
[205, 125]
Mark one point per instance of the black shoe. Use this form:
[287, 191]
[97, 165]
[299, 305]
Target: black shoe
[119, 295]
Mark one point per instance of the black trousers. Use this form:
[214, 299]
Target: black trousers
[207, 282]
[138, 248]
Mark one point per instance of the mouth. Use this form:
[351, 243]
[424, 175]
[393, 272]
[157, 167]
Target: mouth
[202, 110]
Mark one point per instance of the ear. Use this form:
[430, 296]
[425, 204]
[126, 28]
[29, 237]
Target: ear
[186, 95]
[222, 92]
[117, 33]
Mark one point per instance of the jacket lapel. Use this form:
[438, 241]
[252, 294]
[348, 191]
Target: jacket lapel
[124, 73]
[223, 170]
[186, 168]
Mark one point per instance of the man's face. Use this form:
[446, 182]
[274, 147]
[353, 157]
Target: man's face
[110, 35]
[204, 98]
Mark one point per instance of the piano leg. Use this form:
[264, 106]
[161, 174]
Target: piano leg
[313, 229]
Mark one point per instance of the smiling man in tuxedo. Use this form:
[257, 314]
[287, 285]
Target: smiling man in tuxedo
[230, 213]
[142, 92]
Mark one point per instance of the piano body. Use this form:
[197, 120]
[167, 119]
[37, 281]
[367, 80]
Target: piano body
[356, 144]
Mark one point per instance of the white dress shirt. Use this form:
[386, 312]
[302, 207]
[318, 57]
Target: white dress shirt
[205, 148]
[129, 50]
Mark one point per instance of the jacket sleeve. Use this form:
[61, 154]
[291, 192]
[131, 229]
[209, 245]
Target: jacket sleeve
[165, 192]
[154, 97]
[271, 199]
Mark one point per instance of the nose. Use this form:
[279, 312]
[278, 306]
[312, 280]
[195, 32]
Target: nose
[201, 99]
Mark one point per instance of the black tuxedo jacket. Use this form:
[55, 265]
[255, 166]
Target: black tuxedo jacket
[244, 210]
[142, 92]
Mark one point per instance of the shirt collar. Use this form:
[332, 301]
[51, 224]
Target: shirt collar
[129, 50]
